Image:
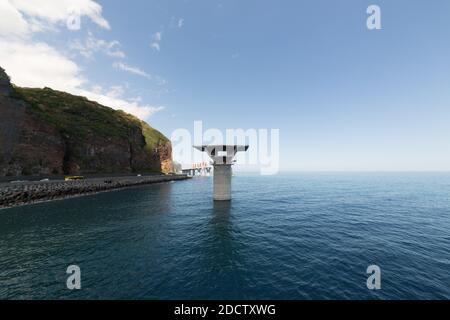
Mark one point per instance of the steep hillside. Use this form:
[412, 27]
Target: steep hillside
[43, 131]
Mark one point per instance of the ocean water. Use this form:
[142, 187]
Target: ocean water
[291, 236]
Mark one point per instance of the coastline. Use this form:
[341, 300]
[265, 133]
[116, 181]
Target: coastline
[28, 192]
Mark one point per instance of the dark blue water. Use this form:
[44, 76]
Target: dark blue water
[303, 236]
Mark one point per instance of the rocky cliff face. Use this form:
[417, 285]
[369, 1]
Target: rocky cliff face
[164, 155]
[44, 132]
[5, 84]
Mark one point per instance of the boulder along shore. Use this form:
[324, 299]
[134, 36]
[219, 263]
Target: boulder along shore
[27, 192]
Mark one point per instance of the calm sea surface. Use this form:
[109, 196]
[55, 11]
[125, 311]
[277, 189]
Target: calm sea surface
[299, 236]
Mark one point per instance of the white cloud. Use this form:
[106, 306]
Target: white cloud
[114, 98]
[155, 46]
[131, 69]
[139, 72]
[12, 23]
[21, 18]
[176, 22]
[58, 11]
[93, 45]
[36, 64]
[39, 65]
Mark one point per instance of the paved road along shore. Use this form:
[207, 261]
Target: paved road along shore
[21, 193]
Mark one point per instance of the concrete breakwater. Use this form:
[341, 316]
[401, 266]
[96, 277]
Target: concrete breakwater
[21, 193]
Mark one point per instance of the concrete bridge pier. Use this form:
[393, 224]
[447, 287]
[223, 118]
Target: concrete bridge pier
[222, 156]
[222, 182]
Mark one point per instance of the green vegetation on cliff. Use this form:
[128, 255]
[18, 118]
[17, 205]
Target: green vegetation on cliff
[49, 132]
[77, 117]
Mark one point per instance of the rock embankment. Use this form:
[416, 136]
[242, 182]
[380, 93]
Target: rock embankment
[21, 193]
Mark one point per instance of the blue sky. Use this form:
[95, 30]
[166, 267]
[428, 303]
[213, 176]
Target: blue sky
[343, 97]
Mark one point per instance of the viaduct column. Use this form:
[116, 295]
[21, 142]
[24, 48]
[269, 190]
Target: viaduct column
[222, 156]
